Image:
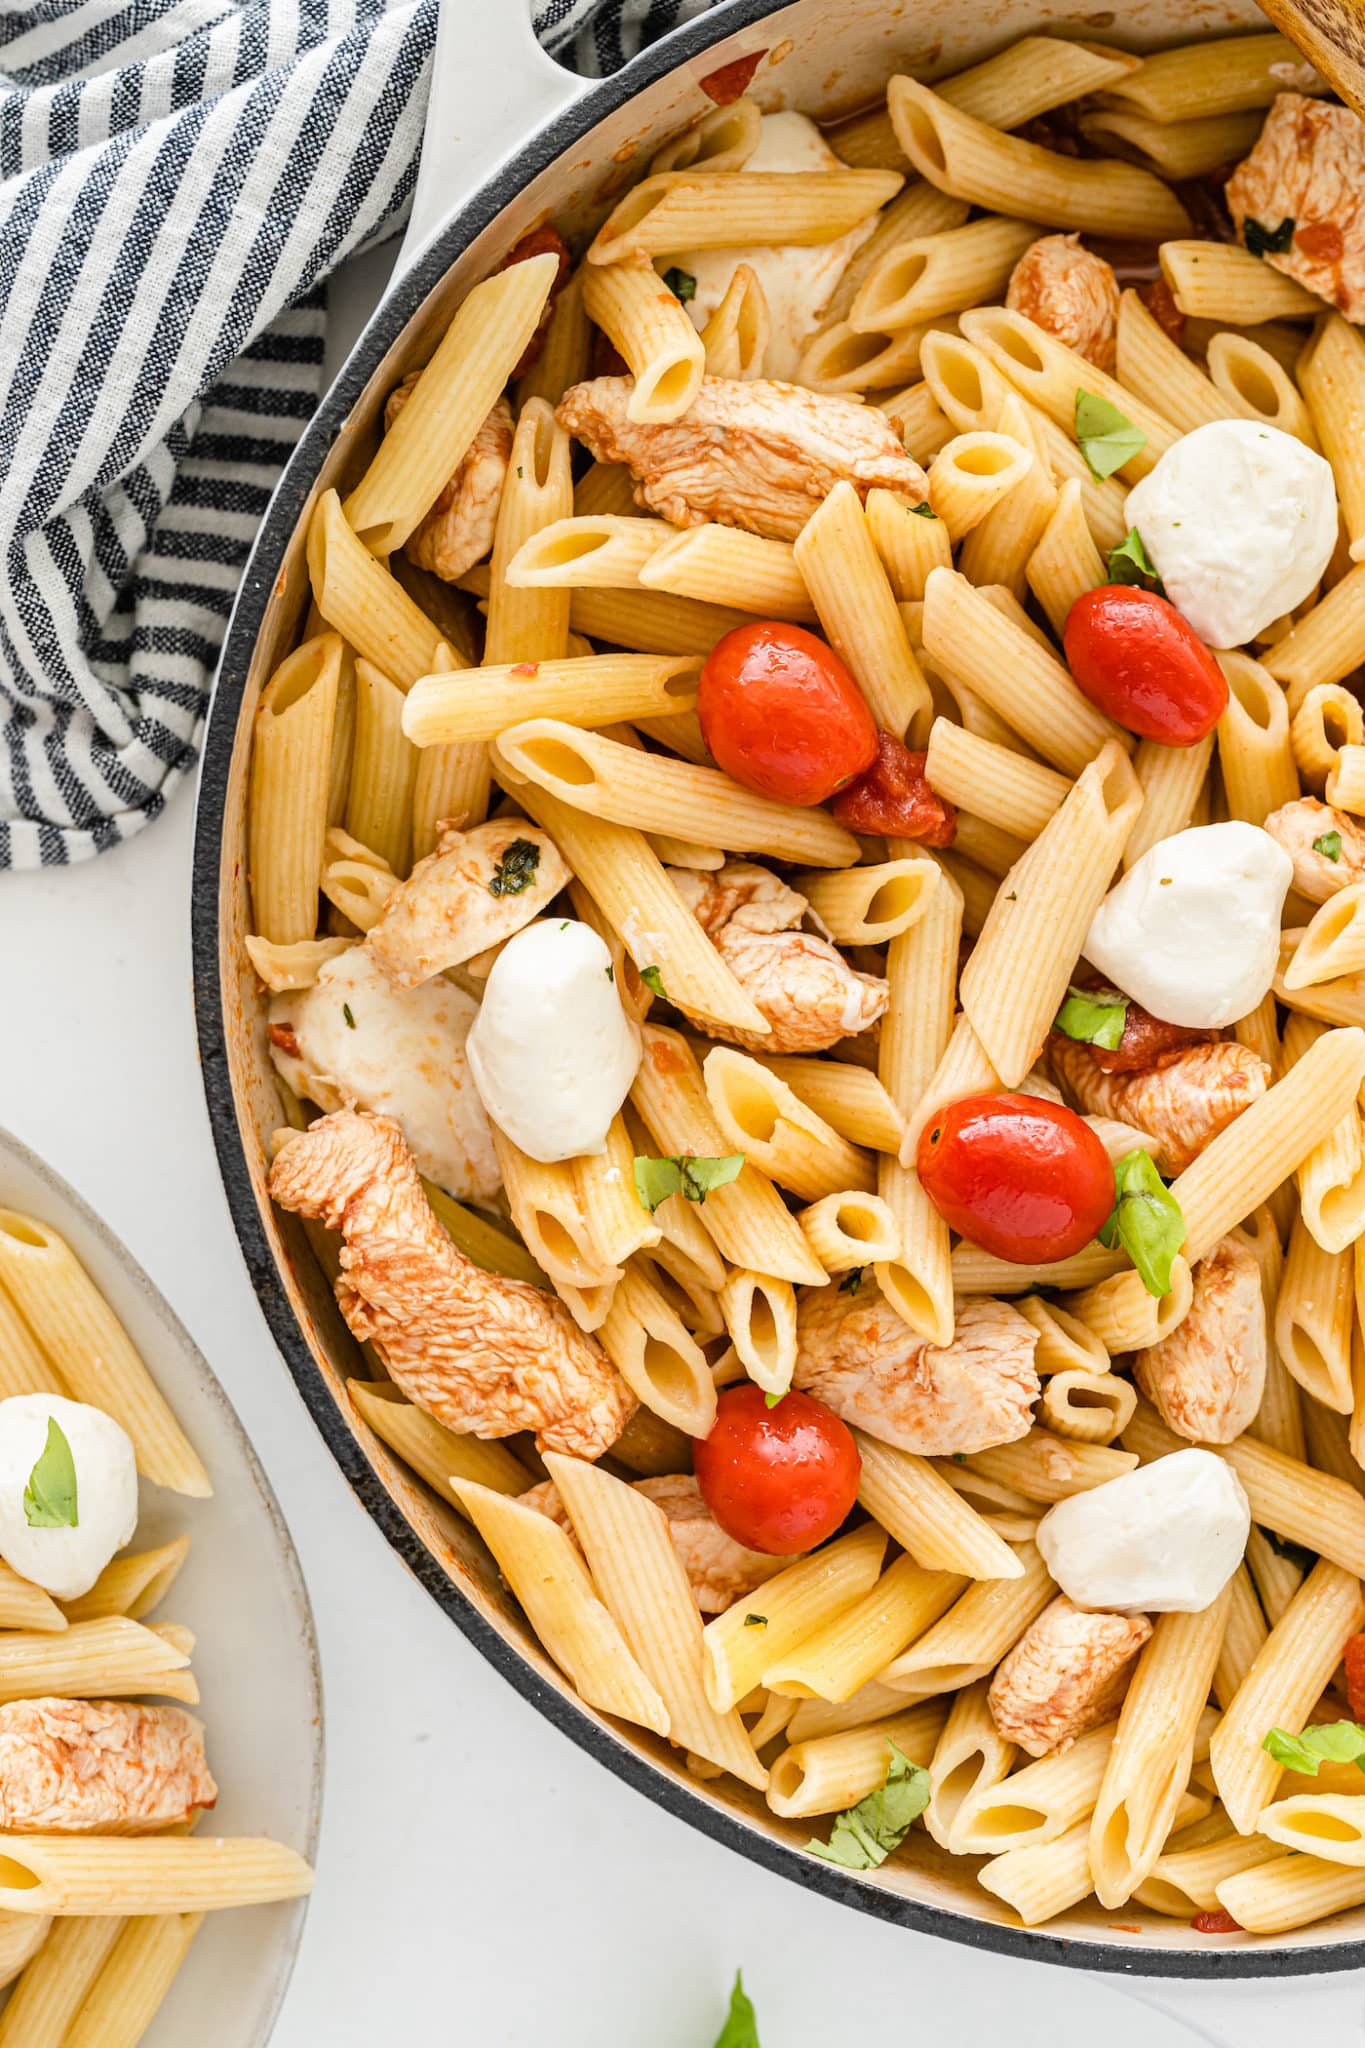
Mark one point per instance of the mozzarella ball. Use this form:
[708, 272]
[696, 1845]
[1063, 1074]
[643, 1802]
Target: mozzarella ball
[552, 1052]
[1240, 520]
[1164, 1539]
[1192, 932]
[66, 1561]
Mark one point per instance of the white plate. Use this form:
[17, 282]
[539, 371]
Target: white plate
[242, 1593]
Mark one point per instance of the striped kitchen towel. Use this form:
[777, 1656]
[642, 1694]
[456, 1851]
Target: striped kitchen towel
[177, 180]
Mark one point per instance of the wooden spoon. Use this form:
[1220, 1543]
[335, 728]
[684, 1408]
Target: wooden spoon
[1331, 34]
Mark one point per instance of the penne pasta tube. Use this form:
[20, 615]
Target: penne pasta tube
[1258, 387]
[26, 1606]
[1174, 150]
[432, 434]
[1152, 1752]
[1125, 1320]
[1218, 281]
[1028, 77]
[1049, 1468]
[963, 156]
[1051, 376]
[918, 209]
[830, 1772]
[1088, 1407]
[940, 273]
[598, 775]
[291, 757]
[760, 1116]
[384, 771]
[95, 1660]
[970, 1758]
[678, 210]
[850, 1098]
[849, 1231]
[722, 565]
[1242, 1639]
[760, 1315]
[1284, 1683]
[1331, 375]
[928, 1517]
[1157, 370]
[836, 1660]
[872, 904]
[1292, 1891]
[1065, 1344]
[293, 966]
[618, 1222]
[641, 1581]
[1019, 796]
[1327, 1824]
[839, 564]
[840, 359]
[604, 551]
[1064, 562]
[1254, 753]
[656, 1356]
[910, 541]
[1225, 76]
[496, 1250]
[595, 689]
[544, 1199]
[54, 1985]
[1326, 644]
[132, 1584]
[644, 320]
[23, 1367]
[1328, 719]
[111, 1874]
[1276, 1578]
[972, 474]
[365, 604]
[1043, 1879]
[811, 1718]
[564, 353]
[1185, 1881]
[975, 1633]
[923, 428]
[91, 1351]
[1346, 780]
[978, 1272]
[722, 140]
[1038, 1803]
[735, 339]
[542, 1565]
[761, 1629]
[437, 1455]
[138, 1972]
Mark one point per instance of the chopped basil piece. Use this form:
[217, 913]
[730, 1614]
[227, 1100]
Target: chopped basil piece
[924, 511]
[1146, 1220]
[349, 1014]
[611, 974]
[1263, 241]
[863, 1837]
[653, 979]
[1329, 845]
[681, 283]
[516, 870]
[852, 1280]
[50, 1496]
[1129, 562]
[741, 2024]
[693, 1179]
[771, 1400]
[959, 1457]
[755, 1621]
[1107, 440]
[1297, 1553]
[1338, 1742]
[1095, 1016]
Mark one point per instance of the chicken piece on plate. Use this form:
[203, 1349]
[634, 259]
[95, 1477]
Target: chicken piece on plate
[1299, 199]
[354, 1041]
[719, 1570]
[476, 889]
[485, 1355]
[1183, 1100]
[758, 455]
[854, 1353]
[1064, 289]
[458, 530]
[1068, 1672]
[1208, 1376]
[84, 1767]
[1300, 828]
[803, 985]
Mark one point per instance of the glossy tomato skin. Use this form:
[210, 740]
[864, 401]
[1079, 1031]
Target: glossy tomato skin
[893, 797]
[781, 713]
[1141, 661]
[1023, 1178]
[778, 1479]
[1354, 1655]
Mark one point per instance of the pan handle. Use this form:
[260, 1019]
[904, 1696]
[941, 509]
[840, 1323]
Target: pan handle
[491, 84]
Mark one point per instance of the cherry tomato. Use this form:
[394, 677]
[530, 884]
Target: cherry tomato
[1142, 662]
[782, 714]
[1023, 1178]
[777, 1479]
[1354, 1654]
[893, 797]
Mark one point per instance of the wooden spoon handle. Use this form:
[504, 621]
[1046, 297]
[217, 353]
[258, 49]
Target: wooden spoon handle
[1331, 34]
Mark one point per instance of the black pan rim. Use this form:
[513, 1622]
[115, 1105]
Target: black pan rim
[669, 1792]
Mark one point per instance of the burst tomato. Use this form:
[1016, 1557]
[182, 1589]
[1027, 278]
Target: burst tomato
[893, 797]
[1354, 1655]
[1141, 661]
[1023, 1178]
[782, 714]
[777, 1479]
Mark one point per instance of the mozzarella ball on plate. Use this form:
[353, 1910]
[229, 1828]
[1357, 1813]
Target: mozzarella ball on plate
[1164, 1539]
[68, 1497]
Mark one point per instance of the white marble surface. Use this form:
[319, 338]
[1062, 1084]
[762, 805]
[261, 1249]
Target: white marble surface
[480, 1880]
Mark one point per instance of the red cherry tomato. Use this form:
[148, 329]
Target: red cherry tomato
[782, 714]
[1354, 1655]
[1142, 662]
[894, 797]
[1023, 1178]
[777, 1479]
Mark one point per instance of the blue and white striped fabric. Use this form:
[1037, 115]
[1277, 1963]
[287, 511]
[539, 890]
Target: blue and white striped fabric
[177, 180]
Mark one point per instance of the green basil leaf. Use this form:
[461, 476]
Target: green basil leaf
[516, 870]
[349, 1014]
[681, 283]
[699, 1176]
[1338, 1742]
[1296, 1553]
[653, 979]
[1107, 440]
[1129, 562]
[755, 1621]
[852, 1280]
[863, 1837]
[656, 1180]
[1329, 844]
[741, 2023]
[924, 511]
[693, 1179]
[1095, 1016]
[50, 1496]
[771, 1400]
[1263, 241]
[1146, 1220]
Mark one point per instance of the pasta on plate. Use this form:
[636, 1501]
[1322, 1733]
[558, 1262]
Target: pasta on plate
[806, 868]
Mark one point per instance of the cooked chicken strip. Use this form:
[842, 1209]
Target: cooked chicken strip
[458, 530]
[1298, 827]
[476, 889]
[1068, 1672]
[1069, 293]
[1208, 1376]
[803, 985]
[1183, 1100]
[485, 1355]
[1306, 178]
[719, 1570]
[84, 1767]
[758, 455]
[855, 1354]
